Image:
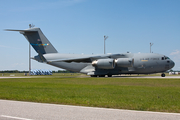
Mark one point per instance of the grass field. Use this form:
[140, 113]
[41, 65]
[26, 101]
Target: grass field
[121, 93]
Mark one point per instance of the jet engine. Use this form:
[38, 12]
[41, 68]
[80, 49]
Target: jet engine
[104, 63]
[124, 62]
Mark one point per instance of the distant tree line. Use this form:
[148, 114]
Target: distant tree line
[13, 71]
[17, 71]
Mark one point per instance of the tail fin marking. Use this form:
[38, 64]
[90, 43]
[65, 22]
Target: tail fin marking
[37, 40]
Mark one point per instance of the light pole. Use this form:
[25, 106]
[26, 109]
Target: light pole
[151, 44]
[30, 54]
[30, 26]
[105, 37]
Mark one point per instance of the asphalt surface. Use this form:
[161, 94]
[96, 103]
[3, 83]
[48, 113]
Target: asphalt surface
[128, 76]
[16, 110]
[117, 76]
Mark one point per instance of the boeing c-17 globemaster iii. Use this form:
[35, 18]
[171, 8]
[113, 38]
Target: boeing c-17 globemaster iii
[96, 65]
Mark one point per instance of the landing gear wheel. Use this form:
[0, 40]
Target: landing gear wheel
[163, 75]
[101, 75]
[109, 75]
[93, 75]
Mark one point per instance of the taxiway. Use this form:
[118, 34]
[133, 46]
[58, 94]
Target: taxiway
[17, 110]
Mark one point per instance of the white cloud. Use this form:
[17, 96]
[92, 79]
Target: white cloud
[176, 58]
[3, 46]
[16, 66]
[176, 52]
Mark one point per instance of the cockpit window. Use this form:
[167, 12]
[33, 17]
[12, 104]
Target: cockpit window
[165, 58]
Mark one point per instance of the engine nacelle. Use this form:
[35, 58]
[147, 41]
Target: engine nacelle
[124, 62]
[104, 63]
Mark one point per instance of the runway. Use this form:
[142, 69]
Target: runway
[16, 110]
[147, 77]
[115, 76]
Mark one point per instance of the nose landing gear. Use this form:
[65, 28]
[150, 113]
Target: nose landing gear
[163, 75]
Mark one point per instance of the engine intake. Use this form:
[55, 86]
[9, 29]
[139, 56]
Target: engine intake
[104, 63]
[124, 62]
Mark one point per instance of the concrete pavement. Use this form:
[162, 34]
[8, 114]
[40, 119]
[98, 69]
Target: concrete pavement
[17, 110]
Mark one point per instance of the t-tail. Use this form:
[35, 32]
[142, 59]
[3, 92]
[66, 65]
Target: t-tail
[37, 40]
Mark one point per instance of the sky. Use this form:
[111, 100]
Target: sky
[79, 26]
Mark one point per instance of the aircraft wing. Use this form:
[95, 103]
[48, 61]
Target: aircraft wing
[87, 59]
[20, 30]
[78, 60]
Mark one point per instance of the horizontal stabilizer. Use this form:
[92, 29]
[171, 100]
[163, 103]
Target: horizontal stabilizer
[21, 30]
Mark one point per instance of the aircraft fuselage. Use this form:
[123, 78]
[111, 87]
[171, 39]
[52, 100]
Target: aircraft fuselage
[143, 63]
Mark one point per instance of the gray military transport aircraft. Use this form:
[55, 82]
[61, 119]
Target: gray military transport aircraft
[96, 65]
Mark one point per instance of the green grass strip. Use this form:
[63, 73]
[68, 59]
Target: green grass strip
[161, 95]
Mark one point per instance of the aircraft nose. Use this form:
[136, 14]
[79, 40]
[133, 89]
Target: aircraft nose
[172, 64]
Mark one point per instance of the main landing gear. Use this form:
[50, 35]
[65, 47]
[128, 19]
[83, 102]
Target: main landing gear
[93, 75]
[163, 75]
[100, 75]
[109, 75]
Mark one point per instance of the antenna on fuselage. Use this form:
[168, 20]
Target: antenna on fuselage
[105, 37]
[31, 25]
[151, 44]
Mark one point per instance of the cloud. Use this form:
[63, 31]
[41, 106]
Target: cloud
[17, 65]
[176, 52]
[3, 46]
[176, 56]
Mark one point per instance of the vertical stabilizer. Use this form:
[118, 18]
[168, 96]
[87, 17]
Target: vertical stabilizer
[38, 40]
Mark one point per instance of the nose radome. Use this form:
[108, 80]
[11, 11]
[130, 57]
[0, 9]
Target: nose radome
[172, 64]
